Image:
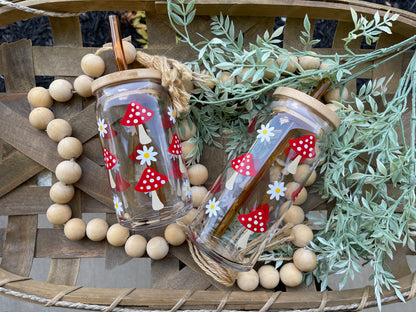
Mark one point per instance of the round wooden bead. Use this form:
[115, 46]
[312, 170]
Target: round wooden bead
[197, 174]
[309, 62]
[189, 132]
[69, 148]
[157, 248]
[117, 235]
[97, 229]
[290, 275]
[198, 195]
[40, 117]
[302, 172]
[302, 235]
[175, 234]
[292, 187]
[58, 214]
[129, 52]
[39, 97]
[268, 276]
[61, 90]
[74, 229]
[187, 148]
[189, 217]
[135, 246]
[291, 62]
[92, 65]
[61, 193]
[335, 95]
[82, 85]
[305, 259]
[68, 172]
[58, 129]
[248, 281]
[294, 215]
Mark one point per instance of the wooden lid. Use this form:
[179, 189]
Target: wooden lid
[315, 105]
[124, 76]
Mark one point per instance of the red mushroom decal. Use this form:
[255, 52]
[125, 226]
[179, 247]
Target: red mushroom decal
[175, 148]
[242, 165]
[256, 221]
[135, 153]
[136, 115]
[109, 161]
[121, 184]
[304, 147]
[151, 181]
[111, 133]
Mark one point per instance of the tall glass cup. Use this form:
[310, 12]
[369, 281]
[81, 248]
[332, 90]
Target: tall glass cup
[239, 214]
[141, 149]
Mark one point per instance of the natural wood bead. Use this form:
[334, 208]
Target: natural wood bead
[305, 259]
[294, 215]
[198, 195]
[82, 85]
[58, 214]
[309, 62]
[129, 52]
[117, 235]
[61, 193]
[61, 90]
[197, 174]
[97, 229]
[135, 246]
[69, 148]
[290, 275]
[74, 229]
[175, 234]
[189, 217]
[68, 172]
[291, 62]
[40, 117]
[92, 65]
[189, 131]
[302, 172]
[302, 235]
[248, 281]
[157, 248]
[57, 129]
[187, 148]
[39, 97]
[335, 95]
[291, 187]
[268, 276]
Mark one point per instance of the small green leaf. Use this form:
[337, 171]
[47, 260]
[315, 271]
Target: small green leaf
[381, 168]
[307, 24]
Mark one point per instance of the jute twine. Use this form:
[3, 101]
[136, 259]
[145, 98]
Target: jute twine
[174, 76]
[227, 276]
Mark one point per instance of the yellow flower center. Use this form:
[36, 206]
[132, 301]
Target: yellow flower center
[187, 188]
[277, 190]
[146, 155]
[265, 131]
[101, 128]
[212, 207]
[116, 205]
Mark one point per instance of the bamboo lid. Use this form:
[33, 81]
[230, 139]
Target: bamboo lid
[125, 76]
[315, 105]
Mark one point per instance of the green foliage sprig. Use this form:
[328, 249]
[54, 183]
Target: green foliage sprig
[370, 168]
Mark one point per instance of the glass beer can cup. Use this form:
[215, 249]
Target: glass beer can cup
[141, 149]
[243, 207]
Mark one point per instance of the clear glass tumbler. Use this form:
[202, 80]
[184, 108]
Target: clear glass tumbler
[141, 149]
[239, 214]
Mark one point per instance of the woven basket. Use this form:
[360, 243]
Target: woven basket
[25, 152]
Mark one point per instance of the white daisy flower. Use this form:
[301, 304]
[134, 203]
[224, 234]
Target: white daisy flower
[118, 206]
[187, 189]
[171, 114]
[146, 155]
[276, 190]
[212, 207]
[102, 127]
[265, 133]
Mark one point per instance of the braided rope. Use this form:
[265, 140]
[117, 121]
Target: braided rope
[36, 11]
[83, 306]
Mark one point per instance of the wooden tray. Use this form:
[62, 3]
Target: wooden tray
[26, 152]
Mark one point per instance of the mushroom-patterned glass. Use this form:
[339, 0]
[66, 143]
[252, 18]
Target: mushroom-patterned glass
[141, 149]
[246, 203]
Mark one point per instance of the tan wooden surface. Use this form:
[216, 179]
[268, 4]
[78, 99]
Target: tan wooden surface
[25, 152]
